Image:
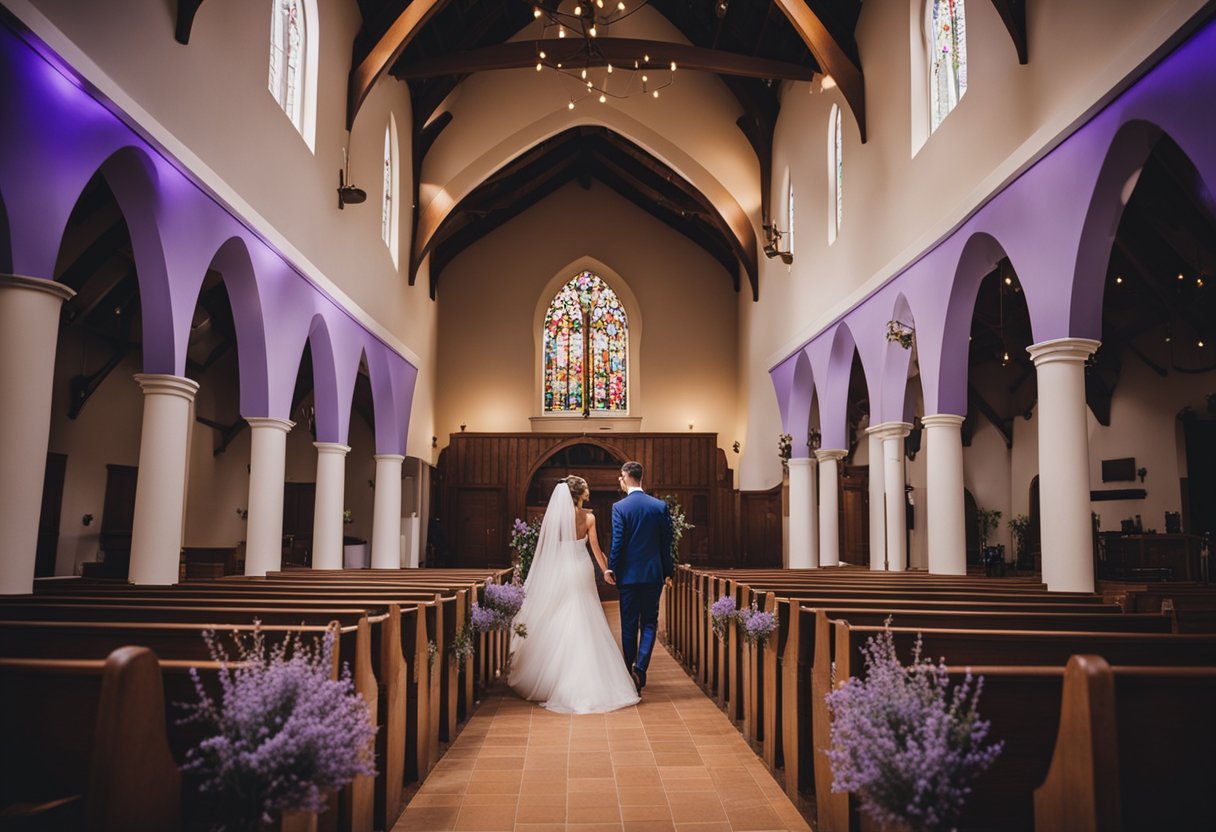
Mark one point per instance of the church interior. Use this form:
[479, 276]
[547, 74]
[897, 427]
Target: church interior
[905, 306]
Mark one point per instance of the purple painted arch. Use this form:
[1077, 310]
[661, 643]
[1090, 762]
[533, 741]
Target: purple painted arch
[393, 380]
[6, 244]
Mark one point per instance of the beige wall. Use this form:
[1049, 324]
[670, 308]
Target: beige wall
[489, 329]
[897, 205]
[208, 103]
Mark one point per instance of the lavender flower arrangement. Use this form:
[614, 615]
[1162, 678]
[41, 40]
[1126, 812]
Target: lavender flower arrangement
[722, 612]
[500, 605]
[461, 647]
[285, 732]
[904, 742]
[523, 541]
[756, 626]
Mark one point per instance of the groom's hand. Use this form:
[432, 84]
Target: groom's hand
[609, 577]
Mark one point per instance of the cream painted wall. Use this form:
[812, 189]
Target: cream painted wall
[488, 358]
[105, 433]
[212, 97]
[1009, 114]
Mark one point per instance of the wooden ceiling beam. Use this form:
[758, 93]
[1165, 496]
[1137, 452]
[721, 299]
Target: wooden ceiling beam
[186, 10]
[386, 51]
[1013, 15]
[620, 52]
[828, 53]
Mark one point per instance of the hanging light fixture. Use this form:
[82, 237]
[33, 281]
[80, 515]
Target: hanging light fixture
[583, 24]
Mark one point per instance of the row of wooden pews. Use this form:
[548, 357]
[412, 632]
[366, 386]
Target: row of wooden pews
[63, 647]
[1058, 668]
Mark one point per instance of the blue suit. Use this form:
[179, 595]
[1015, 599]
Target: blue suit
[640, 560]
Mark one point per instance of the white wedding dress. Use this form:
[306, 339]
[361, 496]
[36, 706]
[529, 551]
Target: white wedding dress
[569, 661]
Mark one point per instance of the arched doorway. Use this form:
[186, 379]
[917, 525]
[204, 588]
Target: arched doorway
[599, 466]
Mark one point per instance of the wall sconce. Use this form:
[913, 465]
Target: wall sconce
[348, 194]
[772, 243]
[735, 447]
[462, 427]
[690, 425]
[87, 520]
[434, 441]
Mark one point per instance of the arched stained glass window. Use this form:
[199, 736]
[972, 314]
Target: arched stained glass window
[586, 349]
[288, 33]
[947, 24]
[386, 205]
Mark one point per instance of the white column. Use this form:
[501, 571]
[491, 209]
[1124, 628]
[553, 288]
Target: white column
[878, 509]
[893, 434]
[829, 506]
[160, 490]
[944, 494]
[1068, 564]
[267, 463]
[327, 511]
[29, 333]
[386, 521]
[804, 542]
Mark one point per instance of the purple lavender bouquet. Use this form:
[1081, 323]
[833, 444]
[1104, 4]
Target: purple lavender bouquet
[284, 731]
[722, 612]
[906, 743]
[499, 606]
[756, 626]
[523, 541]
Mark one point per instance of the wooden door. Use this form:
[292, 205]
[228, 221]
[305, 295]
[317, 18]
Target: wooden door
[479, 527]
[855, 515]
[299, 506]
[760, 528]
[117, 519]
[48, 524]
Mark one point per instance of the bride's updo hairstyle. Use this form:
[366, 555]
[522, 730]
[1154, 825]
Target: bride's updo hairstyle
[578, 487]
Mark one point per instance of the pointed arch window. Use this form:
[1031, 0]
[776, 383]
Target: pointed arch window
[288, 54]
[947, 42]
[388, 204]
[835, 175]
[586, 349]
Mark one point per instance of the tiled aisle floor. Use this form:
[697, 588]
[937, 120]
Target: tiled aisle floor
[672, 762]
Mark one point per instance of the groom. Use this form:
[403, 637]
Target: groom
[639, 563]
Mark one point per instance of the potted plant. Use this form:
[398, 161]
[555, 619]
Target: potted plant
[905, 742]
[1019, 527]
[281, 733]
[992, 556]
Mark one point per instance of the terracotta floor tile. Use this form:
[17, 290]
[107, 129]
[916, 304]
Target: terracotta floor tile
[648, 826]
[496, 775]
[592, 799]
[576, 813]
[632, 758]
[594, 827]
[540, 827]
[508, 801]
[579, 770]
[754, 817]
[703, 827]
[637, 775]
[436, 818]
[678, 758]
[662, 812]
[591, 784]
[511, 787]
[542, 786]
[695, 807]
[485, 818]
[429, 801]
[639, 796]
[533, 813]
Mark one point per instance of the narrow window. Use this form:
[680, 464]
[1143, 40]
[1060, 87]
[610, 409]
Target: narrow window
[835, 175]
[789, 218]
[947, 43]
[388, 205]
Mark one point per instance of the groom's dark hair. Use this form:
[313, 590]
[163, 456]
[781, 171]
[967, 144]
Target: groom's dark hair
[633, 470]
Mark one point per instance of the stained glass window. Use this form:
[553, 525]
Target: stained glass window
[947, 58]
[287, 39]
[586, 349]
[789, 218]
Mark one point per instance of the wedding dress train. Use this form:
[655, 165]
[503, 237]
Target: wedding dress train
[569, 661]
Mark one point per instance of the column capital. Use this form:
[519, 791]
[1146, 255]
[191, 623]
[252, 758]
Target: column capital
[801, 461]
[1069, 350]
[943, 420]
[162, 384]
[37, 284]
[284, 425]
[388, 457]
[893, 430]
[331, 448]
[833, 454]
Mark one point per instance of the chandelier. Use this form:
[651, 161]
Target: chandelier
[600, 72]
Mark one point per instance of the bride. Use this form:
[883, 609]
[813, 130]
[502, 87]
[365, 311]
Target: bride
[569, 662]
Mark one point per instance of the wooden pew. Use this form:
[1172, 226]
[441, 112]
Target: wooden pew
[1008, 648]
[49, 639]
[1133, 751]
[84, 744]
